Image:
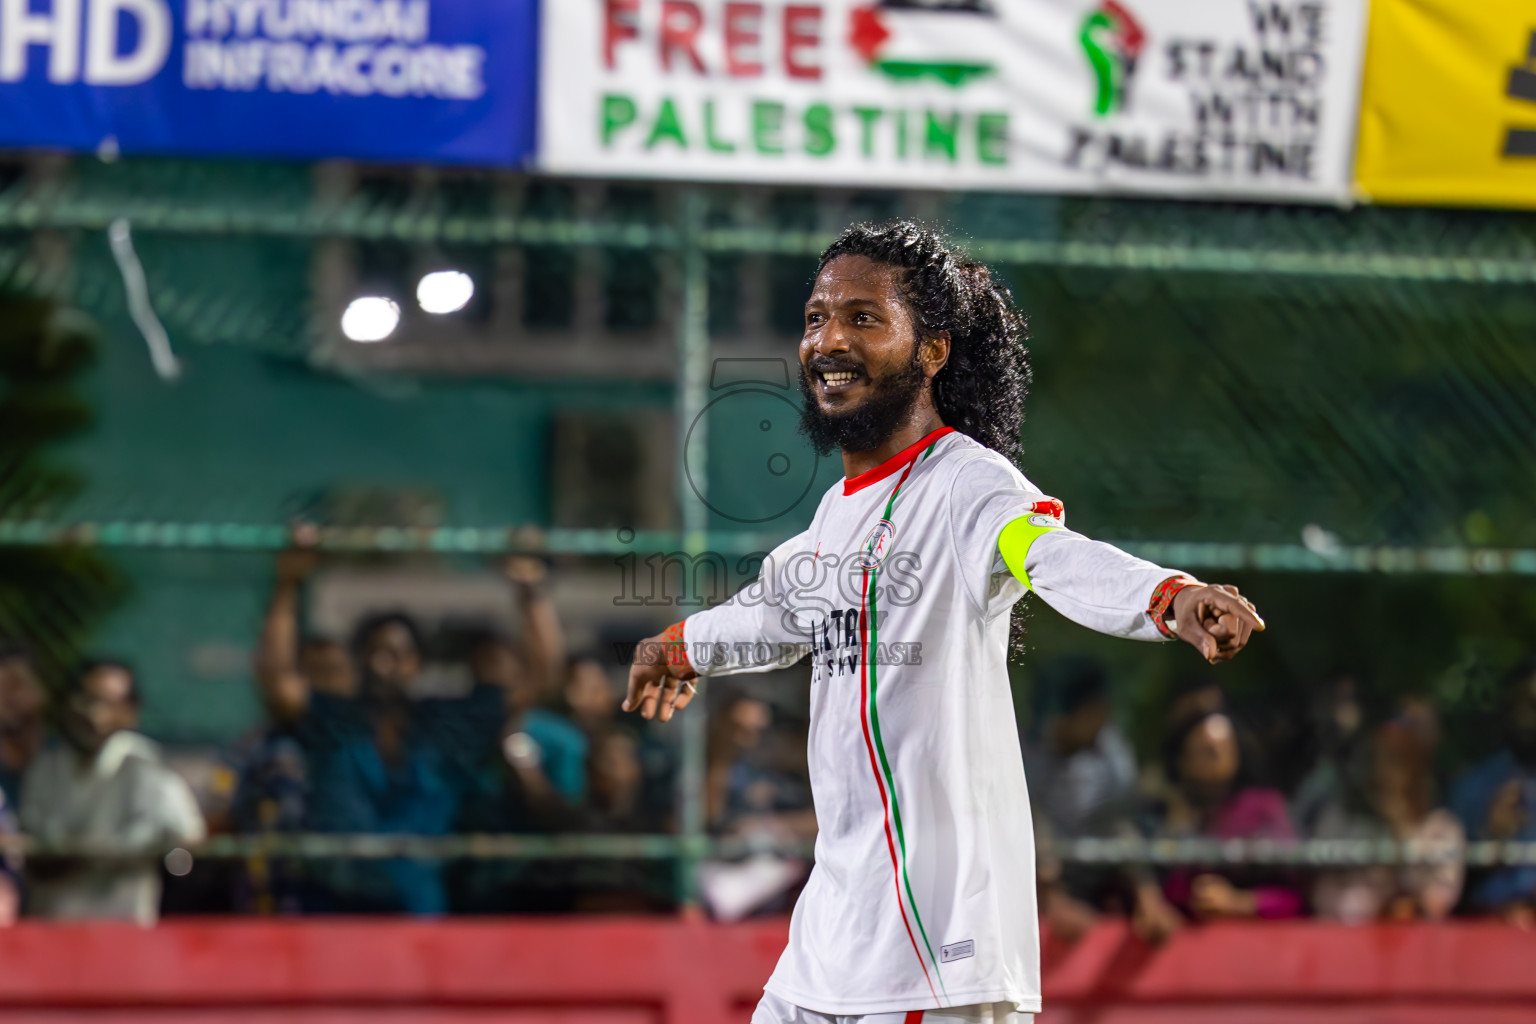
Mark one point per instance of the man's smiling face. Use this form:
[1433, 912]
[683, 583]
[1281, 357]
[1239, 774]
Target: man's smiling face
[861, 372]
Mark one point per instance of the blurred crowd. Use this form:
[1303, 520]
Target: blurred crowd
[1223, 774]
[360, 737]
[530, 744]
[533, 743]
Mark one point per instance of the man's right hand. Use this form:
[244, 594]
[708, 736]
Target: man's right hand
[657, 687]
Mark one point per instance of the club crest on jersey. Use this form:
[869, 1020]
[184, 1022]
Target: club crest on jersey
[877, 544]
[1050, 507]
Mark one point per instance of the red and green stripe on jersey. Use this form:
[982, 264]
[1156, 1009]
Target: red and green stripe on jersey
[874, 741]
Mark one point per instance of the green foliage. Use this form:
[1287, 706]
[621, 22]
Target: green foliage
[50, 598]
[1237, 410]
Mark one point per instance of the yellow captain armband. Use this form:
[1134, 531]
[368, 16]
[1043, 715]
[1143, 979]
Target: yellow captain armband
[1019, 536]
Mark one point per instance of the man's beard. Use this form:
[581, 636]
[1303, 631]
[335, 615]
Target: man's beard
[865, 427]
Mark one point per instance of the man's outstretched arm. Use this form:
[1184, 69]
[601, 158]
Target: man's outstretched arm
[1106, 589]
[753, 631]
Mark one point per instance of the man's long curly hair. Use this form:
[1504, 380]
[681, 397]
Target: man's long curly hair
[980, 391]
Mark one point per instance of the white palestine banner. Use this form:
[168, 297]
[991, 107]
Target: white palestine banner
[1183, 97]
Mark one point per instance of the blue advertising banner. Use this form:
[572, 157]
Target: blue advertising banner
[448, 81]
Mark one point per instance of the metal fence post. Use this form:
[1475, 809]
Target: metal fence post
[692, 394]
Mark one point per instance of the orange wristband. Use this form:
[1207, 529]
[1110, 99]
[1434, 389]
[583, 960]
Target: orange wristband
[675, 648]
[1162, 600]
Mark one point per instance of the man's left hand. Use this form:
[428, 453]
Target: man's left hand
[1215, 620]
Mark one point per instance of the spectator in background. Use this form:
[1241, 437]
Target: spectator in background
[517, 767]
[380, 762]
[520, 794]
[541, 643]
[750, 793]
[387, 764]
[10, 867]
[327, 666]
[21, 737]
[616, 805]
[514, 794]
[590, 696]
[1390, 795]
[1192, 697]
[530, 674]
[591, 701]
[524, 800]
[272, 764]
[1496, 800]
[1214, 795]
[104, 784]
[558, 746]
[764, 796]
[736, 731]
[21, 717]
[1083, 767]
[1338, 742]
[1082, 773]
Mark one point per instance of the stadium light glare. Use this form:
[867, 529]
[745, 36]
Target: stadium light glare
[370, 318]
[445, 291]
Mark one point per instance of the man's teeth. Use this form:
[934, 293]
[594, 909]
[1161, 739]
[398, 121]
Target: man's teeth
[840, 377]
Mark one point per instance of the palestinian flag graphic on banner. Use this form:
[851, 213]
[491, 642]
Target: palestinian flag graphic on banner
[944, 41]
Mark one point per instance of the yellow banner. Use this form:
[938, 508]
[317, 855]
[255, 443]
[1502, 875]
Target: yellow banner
[1448, 113]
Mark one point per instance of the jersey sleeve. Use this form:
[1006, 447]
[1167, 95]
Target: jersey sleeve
[755, 630]
[1096, 584]
[1002, 522]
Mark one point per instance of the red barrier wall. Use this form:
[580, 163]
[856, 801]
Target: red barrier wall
[657, 971]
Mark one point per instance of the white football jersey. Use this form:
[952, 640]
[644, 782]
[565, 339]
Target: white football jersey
[923, 893]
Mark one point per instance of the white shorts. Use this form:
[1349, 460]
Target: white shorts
[773, 1010]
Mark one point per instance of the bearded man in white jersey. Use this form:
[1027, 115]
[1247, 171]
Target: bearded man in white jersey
[921, 906]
